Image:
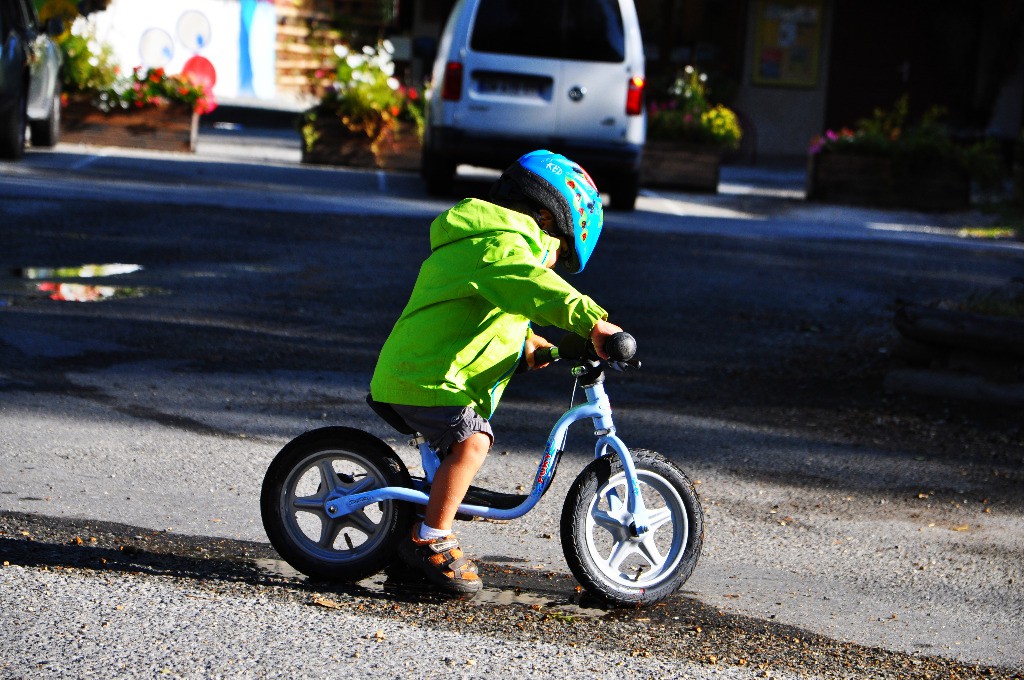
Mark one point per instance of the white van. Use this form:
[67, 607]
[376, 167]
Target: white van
[512, 76]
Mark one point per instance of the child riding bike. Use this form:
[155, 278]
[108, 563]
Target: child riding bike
[466, 328]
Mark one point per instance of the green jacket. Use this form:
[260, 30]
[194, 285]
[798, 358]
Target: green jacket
[461, 335]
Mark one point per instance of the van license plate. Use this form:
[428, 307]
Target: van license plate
[509, 87]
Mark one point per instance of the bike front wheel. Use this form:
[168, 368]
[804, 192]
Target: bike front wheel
[325, 463]
[599, 545]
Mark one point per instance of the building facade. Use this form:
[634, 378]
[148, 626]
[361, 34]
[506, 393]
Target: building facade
[791, 69]
[795, 68]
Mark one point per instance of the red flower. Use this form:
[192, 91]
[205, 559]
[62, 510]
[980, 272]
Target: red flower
[205, 104]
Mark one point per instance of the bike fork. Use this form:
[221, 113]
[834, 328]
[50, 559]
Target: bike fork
[599, 409]
[634, 499]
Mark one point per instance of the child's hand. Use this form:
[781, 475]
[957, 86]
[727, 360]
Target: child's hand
[533, 343]
[602, 330]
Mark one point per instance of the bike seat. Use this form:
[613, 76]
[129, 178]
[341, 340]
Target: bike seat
[389, 415]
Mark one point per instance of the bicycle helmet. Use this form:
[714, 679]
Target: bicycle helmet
[543, 179]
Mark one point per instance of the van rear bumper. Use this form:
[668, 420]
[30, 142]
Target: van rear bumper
[498, 152]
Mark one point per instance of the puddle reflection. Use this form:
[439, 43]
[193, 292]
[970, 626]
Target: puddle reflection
[78, 292]
[85, 271]
[58, 283]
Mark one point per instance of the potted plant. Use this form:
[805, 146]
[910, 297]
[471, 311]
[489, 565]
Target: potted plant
[365, 117]
[148, 108]
[89, 65]
[687, 135]
[888, 160]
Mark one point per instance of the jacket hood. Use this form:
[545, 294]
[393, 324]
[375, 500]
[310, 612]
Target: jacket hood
[476, 218]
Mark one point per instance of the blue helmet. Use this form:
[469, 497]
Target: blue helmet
[543, 179]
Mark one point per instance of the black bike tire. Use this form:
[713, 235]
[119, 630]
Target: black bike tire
[398, 516]
[573, 529]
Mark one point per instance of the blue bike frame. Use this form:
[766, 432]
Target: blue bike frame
[597, 407]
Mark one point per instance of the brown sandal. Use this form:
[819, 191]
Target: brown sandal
[442, 561]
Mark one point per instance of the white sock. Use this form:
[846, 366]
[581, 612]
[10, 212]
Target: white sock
[430, 533]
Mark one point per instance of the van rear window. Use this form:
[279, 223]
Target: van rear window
[583, 30]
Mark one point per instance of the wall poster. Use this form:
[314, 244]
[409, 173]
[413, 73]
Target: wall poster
[787, 42]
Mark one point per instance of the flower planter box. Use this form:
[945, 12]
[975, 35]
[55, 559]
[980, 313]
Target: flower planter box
[881, 182]
[174, 127]
[681, 166]
[400, 149]
[396, 149]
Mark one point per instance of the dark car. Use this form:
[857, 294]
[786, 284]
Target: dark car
[30, 78]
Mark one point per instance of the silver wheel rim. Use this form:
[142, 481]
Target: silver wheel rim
[623, 559]
[303, 506]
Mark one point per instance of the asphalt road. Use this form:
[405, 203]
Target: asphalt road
[851, 533]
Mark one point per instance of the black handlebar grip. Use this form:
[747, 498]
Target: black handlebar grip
[620, 347]
[543, 356]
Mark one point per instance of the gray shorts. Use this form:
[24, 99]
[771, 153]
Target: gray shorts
[444, 426]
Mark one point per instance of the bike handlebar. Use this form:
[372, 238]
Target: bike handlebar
[620, 347]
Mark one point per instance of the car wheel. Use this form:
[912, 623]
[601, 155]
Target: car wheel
[46, 132]
[438, 174]
[12, 129]
[623, 191]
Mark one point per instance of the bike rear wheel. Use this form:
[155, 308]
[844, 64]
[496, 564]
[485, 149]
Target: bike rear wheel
[293, 504]
[601, 550]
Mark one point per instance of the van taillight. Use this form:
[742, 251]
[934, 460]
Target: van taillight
[451, 86]
[634, 96]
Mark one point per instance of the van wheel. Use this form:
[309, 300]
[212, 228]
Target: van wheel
[438, 173]
[623, 191]
[46, 133]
